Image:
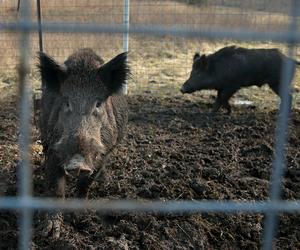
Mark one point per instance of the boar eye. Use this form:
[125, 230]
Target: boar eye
[97, 110]
[67, 106]
[98, 104]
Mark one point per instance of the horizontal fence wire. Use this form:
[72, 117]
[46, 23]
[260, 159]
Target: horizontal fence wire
[27, 204]
[281, 37]
[148, 206]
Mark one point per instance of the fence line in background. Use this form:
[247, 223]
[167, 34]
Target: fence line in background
[281, 37]
[25, 204]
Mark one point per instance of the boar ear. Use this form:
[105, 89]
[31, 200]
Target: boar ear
[196, 56]
[115, 72]
[52, 73]
[203, 61]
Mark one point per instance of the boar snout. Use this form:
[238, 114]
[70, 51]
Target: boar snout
[77, 166]
[187, 88]
[79, 153]
[183, 89]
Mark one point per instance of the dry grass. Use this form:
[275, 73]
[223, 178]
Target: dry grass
[158, 64]
[165, 12]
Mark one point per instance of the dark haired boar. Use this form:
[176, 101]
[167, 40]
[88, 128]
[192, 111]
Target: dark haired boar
[83, 117]
[232, 68]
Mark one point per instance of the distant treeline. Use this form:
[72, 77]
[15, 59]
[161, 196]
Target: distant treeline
[281, 6]
[195, 1]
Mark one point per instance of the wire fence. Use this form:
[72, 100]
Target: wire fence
[141, 24]
[173, 53]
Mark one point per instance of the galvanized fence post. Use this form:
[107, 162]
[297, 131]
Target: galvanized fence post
[25, 173]
[279, 162]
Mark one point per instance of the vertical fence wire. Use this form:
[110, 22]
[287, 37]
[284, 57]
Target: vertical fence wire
[41, 45]
[126, 10]
[288, 68]
[18, 5]
[25, 174]
[126, 25]
[39, 16]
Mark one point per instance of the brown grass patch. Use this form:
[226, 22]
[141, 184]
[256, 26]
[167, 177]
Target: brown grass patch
[159, 64]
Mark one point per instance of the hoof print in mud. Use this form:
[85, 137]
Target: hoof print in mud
[51, 226]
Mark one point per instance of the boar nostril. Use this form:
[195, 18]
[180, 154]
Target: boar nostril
[182, 90]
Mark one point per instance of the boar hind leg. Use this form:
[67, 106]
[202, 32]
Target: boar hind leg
[53, 221]
[57, 182]
[276, 89]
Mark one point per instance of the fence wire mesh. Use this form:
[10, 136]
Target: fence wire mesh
[168, 30]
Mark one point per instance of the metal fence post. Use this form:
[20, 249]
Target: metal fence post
[18, 6]
[287, 71]
[25, 173]
[126, 33]
[39, 16]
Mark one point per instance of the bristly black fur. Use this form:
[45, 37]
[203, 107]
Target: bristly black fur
[232, 68]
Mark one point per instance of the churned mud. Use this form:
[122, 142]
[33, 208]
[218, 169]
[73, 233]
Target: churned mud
[173, 150]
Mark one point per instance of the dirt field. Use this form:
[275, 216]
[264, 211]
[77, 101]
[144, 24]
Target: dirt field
[174, 150]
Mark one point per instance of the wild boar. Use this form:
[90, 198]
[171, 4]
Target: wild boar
[232, 68]
[83, 117]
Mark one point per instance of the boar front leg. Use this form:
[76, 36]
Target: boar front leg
[217, 103]
[57, 182]
[86, 178]
[83, 184]
[223, 100]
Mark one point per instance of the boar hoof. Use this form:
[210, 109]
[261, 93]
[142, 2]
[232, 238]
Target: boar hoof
[228, 112]
[52, 225]
[213, 112]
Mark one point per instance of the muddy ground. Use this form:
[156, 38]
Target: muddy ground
[173, 150]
